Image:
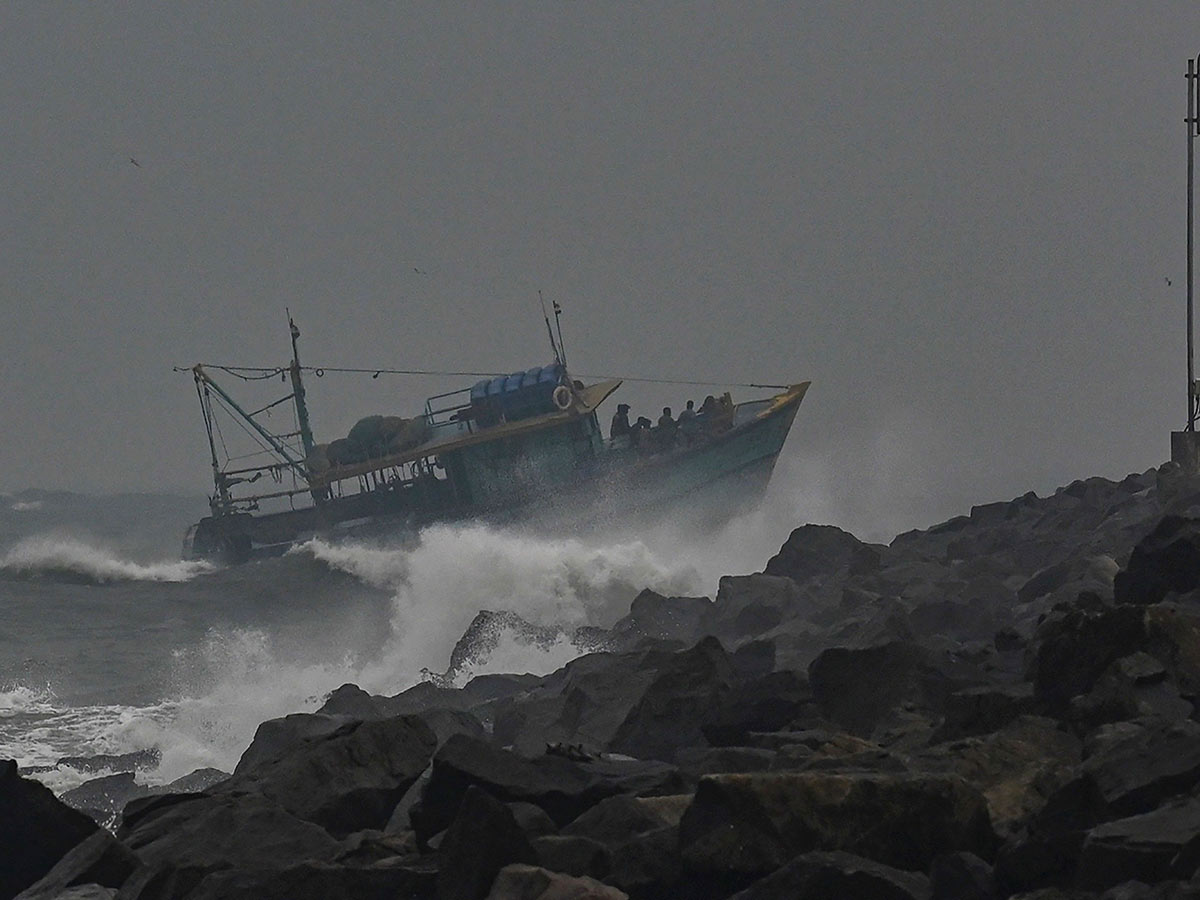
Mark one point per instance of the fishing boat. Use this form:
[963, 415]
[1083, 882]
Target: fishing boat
[526, 444]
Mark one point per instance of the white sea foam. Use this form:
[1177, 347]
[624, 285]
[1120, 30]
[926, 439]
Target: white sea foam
[26, 505]
[49, 556]
[453, 572]
[17, 700]
[238, 678]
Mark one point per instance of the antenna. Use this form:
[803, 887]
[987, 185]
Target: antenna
[558, 357]
[1193, 121]
[306, 435]
[1185, 445]
[561, 346]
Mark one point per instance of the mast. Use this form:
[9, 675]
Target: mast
[306, 437]
[1191, 120]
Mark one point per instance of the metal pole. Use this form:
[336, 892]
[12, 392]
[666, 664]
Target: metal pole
[1191, 126]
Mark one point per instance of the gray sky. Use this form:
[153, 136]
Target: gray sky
[955, 218]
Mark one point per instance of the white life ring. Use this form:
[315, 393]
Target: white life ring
[562, 397]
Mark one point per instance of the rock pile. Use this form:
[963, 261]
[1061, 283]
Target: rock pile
[1001, 706]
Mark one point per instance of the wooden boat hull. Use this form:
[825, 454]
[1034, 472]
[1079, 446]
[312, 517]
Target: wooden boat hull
[552, 484]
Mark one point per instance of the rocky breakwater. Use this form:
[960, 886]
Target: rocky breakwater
[1003, 705]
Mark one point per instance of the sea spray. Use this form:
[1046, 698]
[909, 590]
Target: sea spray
[453, 572]
[67, 558]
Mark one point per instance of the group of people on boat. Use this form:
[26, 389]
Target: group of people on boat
[690, 425]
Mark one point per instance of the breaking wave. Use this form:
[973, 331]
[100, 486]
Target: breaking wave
[69, 559]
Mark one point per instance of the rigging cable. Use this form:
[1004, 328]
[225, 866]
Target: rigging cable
[270, 372]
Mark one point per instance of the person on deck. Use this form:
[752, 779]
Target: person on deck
[687, 421]
[638, 431]
[667, 426]
[620, 422]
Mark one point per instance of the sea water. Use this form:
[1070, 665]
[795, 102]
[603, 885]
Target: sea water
[110, 644]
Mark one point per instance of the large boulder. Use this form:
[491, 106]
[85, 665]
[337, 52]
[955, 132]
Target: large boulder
[769, 703]
[1137, 765]
[276, 737]
[750, 825]
[1166, 561]
[823, 550]
[861, 690]
[347, 780]
[654, 616]
[1014, 768]
[748, 606]
[481, 841]
[36, 830]
[302, 881]
[99, 860]
[181, 838]
[821, 875]
[687, 690]
[561, 787]
[1142, 848]
[525, 882]
[103, 798]
[1073, 647]
[584, 702]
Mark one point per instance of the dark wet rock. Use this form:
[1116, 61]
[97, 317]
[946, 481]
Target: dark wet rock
[697, 761]
[983, 709]
[99, 860]
[755, 659]
[346, 780]
[447, 722]
[961, 876]
[1072, 648]
[304, 881]
[561, 787]
[617, 818]
[649, 865]
[36, 830]
[276, 737]
[532, 819]
[1137, 765]
[820, 875]
[351, 702]
[398, 821]
[1015, 768]
[1165, 890]
[573, 854]
[1132, 687]
[481, 841]
[822, 550]
[1142, 848]
[751, 605]
[861, 690]
[687, 689]
[752, 824]
[1173, 638]
[1131, 769]
[1064, 581]
[767, 703]
[1165, 561]
[584, 702]
[524, 882]
[187, 836]
[194, 782]
[103, 798]
[657, 617]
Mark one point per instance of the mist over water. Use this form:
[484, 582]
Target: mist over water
[189, 658]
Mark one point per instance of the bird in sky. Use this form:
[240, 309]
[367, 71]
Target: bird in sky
[135, 162]
[1167, 280]
[418, 271]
